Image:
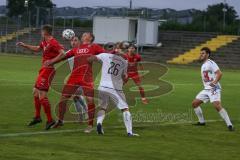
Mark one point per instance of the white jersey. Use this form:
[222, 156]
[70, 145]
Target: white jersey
[208, 71]
[113, 68]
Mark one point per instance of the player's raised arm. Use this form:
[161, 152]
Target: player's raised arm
[29, 47]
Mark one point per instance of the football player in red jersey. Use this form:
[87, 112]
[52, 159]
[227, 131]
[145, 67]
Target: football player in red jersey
[51, 48]
[78, 99]
[81, 76]
[133, 63]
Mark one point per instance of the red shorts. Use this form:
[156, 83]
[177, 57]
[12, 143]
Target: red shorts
[76, 86]
[44, 78]
[135, 77]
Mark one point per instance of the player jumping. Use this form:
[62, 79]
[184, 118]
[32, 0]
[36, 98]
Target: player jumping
[114, 70]
[133, 62]
[81, 76]
[78, 99]
[51, 48]
[211, 76]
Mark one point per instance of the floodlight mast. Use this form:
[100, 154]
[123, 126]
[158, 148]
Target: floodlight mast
[224, 14]
[131, 3]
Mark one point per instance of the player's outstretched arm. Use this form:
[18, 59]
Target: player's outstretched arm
[29, 47]
[92, 59]
[57, 59]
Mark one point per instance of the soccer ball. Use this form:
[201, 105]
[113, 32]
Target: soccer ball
[68, 34]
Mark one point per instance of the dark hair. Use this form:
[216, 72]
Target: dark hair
[48, 28]
[132, 45]
[76, 37]
[109, 46]
[119, 45]
[92, 35]
[207, 50]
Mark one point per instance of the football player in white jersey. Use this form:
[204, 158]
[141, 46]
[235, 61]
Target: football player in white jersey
[78, 99]
[113, 73]
[211, 75]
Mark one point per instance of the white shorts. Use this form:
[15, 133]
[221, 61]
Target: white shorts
[209, 95]
[118, 97]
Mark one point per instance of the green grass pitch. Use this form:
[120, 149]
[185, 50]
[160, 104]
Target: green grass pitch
[161, 137]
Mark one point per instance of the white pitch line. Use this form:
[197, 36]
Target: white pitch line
[194, 84]
[81, 130]
[39, 133]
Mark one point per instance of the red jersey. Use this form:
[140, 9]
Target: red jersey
[133, 61]
[50, 49]
[81, 68]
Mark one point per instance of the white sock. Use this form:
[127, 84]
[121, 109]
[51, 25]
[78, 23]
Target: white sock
[100, 116]
[223, 113]
[127, 118]
[199, 114]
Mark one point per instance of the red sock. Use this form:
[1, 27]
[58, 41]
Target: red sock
[141, 90]
[37, 107]
[91, 113]
[47, 108]
[62, 109]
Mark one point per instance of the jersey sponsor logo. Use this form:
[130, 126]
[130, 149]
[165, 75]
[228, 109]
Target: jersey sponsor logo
[83, 51]
[206, 76]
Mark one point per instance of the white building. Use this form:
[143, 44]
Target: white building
[114, 29]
